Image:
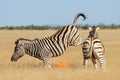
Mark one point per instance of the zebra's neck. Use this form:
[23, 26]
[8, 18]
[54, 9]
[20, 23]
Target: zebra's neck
[31, 48]
[94, 36]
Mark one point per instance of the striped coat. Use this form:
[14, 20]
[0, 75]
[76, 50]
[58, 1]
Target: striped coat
[52, 46]
[93, 48]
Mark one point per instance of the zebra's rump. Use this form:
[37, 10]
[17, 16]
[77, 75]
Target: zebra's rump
[86, 47]
[98, 49]
[98, 46]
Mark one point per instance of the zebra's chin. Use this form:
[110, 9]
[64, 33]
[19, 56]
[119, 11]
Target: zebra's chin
[13, 59]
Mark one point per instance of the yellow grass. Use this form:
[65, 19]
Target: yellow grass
[29, 68]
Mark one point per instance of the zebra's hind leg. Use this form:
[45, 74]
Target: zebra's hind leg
[102, 62]
[85, 61]
[94, 62]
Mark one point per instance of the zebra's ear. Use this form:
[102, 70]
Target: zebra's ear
[19, 43]
[97, 28]
[90, 28]
[16, 42]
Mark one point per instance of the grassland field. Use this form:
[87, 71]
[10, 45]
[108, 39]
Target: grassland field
[29, 68]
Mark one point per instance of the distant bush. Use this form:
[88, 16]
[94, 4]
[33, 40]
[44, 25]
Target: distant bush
[46, 27]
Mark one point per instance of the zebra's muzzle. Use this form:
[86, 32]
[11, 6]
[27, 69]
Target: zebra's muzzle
[13, 59]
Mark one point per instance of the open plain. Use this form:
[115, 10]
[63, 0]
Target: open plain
[29, 68]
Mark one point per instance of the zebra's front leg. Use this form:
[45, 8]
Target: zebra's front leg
[94, 62]
[46, 61]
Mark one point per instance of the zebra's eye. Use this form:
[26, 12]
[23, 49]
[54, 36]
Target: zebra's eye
[17, 48]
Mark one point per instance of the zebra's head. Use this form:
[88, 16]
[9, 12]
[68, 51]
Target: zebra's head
[93, 32]
[19, 50]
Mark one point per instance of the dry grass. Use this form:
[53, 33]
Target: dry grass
[28, 68]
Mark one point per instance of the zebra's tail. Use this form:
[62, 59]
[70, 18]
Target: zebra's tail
[77, 16]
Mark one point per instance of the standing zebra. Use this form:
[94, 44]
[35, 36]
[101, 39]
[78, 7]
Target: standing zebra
[52, 46]
[93, 48]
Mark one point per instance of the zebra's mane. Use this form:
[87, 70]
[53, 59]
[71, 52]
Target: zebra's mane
[17, 41]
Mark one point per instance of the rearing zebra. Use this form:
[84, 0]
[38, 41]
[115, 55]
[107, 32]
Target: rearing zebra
[52, 46]
[93, 48]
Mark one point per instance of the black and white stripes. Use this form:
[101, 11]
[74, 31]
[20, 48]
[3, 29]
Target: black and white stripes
[52, 46]
[93, 48]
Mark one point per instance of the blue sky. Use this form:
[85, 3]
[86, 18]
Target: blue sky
[62, 12]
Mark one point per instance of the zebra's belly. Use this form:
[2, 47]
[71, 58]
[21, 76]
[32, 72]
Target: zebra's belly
[57, 54]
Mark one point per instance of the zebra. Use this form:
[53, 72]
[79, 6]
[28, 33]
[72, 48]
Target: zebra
[93, 48]
[52, 46]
